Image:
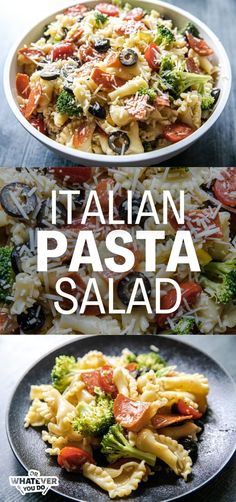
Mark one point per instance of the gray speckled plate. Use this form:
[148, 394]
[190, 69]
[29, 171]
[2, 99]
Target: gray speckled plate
[216, 447]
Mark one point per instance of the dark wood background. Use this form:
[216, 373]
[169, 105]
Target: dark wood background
[18, 355]
[216, 148]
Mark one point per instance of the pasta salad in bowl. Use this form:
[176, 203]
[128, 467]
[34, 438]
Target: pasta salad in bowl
[135, 83]
[27, 295]
[117, 420]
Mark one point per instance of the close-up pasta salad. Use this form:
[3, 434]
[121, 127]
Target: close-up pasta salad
[27, 296]
[117, 420]
[116, 80]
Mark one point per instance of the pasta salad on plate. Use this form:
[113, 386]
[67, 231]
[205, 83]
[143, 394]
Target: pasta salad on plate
[117, 420]
[208, 297]
[116, 80]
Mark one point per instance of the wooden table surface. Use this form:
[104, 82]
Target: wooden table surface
[216, 148]
[18, 355]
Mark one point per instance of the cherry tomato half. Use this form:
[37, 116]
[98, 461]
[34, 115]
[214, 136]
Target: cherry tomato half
[152, 55]
[184, 409]
[225, 188]
[190, 292]
[72, 175]
[176, 132]
[38, 123]
[72, 458]
[62, 51]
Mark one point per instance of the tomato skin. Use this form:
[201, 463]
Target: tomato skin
[109, 82]
[102, 378]
[72, 175]
[199, 45]
[32, 103]
[23, 85]
[185, 409]
[131, 414]
[176, 132]
[62, 50]
[131, 367]
[151, 55]
[102, 189]
[81, 134]
[193, 216]
[72, 458]
[38, 123]
[75, 10]
[106, 380]
[224, 188]
[108, 9]
[137, 13]
[190, 291]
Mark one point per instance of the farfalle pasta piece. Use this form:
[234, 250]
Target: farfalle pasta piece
[167, 449]
[195, 383]
[117, 482]
[77, 393]
[38, 414]
[125, 383]
[92, 360]
[187, 429]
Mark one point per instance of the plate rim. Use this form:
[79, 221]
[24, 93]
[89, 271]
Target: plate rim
[50, 352]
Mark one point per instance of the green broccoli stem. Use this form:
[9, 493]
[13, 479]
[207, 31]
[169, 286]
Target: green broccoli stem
[115, 446]
[149, 458]
[220, 268]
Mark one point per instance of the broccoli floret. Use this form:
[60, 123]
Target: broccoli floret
[100, 18]
[150, 361]
[207, 101]
[177, 81]
[147, 92]
[190, 28]
[7, 275]
[94, 419]
[184, 326]
[115, 445]
[219, 280]
[164, 36]
[146, 362]
[63, 371]
[166, 64]
[66, 103]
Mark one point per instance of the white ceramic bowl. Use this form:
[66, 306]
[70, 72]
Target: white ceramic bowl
[180, 18]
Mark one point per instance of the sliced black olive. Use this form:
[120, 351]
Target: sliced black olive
[191, 447]
[128, 57]
[102, 45]
[136, 202]
[19, 192]
[32, 320]
[97, 110]
[125, 287]
[119, 142]
[68, 88]
[18, 254]
[44, 216]
[215, 94]
[49, 73]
